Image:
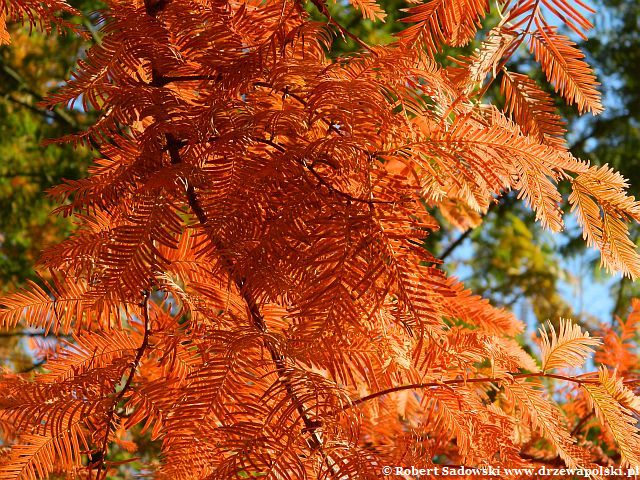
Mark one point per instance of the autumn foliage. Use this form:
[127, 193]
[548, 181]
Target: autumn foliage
[247, 282]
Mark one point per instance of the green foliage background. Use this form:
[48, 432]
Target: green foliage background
[32, 65]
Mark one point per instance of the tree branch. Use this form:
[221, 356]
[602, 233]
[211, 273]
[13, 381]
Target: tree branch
[102, 453]
[581, 423]
[322, 180]
[56, 112]
[22, 333]
[458, 381]
[463, 236]
[33, 367]
[45, 113]
[153, 7]
[315, 442]
[456, 243]
[19, 174]
[499, 203]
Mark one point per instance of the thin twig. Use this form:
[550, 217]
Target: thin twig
[322, 7]
[315, 442]
[513, 49]
[463, 236]
[163, 80]
[458, 381]
[581, 423]
[322, 180]
[22, 333]
[45, 113]
[456, 243]
[33, 367]
[302, 101]
[102, 454]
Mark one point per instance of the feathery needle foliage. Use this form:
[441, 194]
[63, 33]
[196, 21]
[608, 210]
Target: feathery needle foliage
[247, 287]
[568, 348]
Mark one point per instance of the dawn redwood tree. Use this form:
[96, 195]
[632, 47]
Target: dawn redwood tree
[247, 281]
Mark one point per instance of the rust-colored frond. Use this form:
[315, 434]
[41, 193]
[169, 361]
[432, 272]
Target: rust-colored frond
[532, 109]
[614, 405]
[248, 283]
[547, 419]
[521, 13]
[38, 456]
[562, 63]
[59, 309]
[350, 463]
[111, 178]
[630, 325]
[5, 38]
[602, 206]
[476, 310]
[43, 13]
[569, 347]
[57, 420]
[119, 254]
[89, 351]
[447, 413]
[370, 9]
[499, 44]
[459, 214]
[453, 23]
[619, 349]
[486, 158]
[509, 355]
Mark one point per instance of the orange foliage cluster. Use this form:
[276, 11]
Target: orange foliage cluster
[247, 281]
